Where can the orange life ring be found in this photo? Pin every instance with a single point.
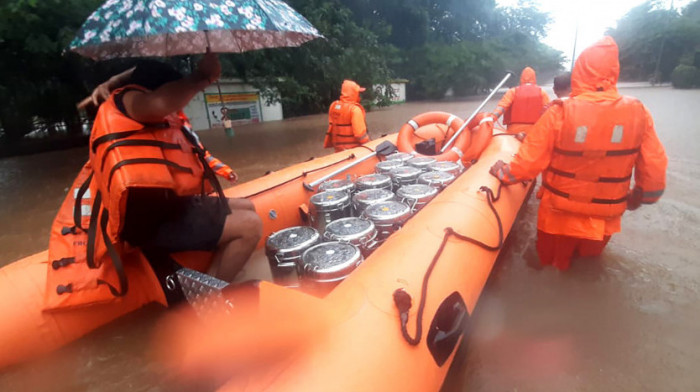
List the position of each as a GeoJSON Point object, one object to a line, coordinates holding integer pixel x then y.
{"type": "Point", "coordinates": [407, 138]}
{"type": "Point", "coordinates": [482, 130]}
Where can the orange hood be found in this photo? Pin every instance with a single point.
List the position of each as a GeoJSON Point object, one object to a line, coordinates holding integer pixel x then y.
{"type": "Point", "coordinates": [528, 76]}
{"type": "Point", "coordinates": [350, 91]}
{"type": "Point", "coordinates": [597, 68]}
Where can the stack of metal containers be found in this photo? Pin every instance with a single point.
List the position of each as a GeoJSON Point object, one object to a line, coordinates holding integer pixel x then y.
{"type": "Point", "coordinates": [350, 219]}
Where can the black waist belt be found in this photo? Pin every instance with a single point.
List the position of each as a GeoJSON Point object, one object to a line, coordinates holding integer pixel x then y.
{"type": "Point", "coordinates": [593, 200]}
{"type": "Point", "coordinates": [610, 153]}
{"type": "Point", "coordinates": [597, 179]}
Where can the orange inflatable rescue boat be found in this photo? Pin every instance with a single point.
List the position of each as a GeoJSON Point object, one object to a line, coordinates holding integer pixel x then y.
{"type": "Point", "coordinates": [393, 323]}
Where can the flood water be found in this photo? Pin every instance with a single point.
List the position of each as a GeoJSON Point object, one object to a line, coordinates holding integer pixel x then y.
{"type": "Point", "coordinates": [626, 321]}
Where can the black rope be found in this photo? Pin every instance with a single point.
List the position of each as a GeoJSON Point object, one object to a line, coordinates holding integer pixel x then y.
{"type": "Point", "coordinates": [402, 299]}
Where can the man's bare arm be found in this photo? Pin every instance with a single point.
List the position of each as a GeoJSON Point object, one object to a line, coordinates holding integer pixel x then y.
{"type": "Point", "coordinates": [153, 106]}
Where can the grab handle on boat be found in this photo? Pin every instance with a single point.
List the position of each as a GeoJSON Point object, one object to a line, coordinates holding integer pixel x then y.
{"type": "Point", "coordinates": [468, 120]}
{"type": "Point", "coordinates": [384, 148]}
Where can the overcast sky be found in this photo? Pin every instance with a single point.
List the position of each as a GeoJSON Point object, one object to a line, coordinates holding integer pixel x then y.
{"type": "Point", "coordinates": [594, 17]}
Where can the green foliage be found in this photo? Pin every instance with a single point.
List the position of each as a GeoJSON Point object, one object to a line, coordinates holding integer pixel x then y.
{"type": "Point", "coordinates": [685, 76]}
{"type": "Point", "coordinates": [465, 45]}
{"type": "Point", "coordinates": [652, 40]}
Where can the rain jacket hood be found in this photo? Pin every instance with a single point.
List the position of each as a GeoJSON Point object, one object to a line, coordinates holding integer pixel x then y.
{"type": "Point", "coordinates": [350, 91]}
{"type": "Point", "coordinates": [528, 76]}
{"type": "Point", "coordinates": [597, 68]}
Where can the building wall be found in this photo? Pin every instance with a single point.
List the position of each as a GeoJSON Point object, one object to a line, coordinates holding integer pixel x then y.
{"type": "Point", "coordinates": [243, 102]}
{"type": "Point", "coordinates": [399, 89]}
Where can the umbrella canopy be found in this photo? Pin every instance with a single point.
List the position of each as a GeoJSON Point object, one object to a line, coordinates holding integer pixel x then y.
{"type": "Point", "coordinates": [161, 28]}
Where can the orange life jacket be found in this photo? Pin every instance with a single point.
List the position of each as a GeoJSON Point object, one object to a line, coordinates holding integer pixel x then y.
{"type": "Point", "coordinates": [340, 133]}
{"type": "Point", "coordinates": [86, 255]}
{"type": "Point", "coordinates": [593, 156]}
{"type": "Point", "coordinates": [526, 107]}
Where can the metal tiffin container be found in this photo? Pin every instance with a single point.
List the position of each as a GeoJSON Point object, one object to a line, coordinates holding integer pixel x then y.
{"type": "Point", "coordinates": [416, 196]}
{"type": "Point", "coordinates": [325, 265]}
{"type": "Point", "coordinates": [384, 167]}
{"type": "Point", "coordinates": [327, 207]}
{"type": "Point", "coordinates": [404, 175]}
{"type": "Point", "coordinates": [453, 168]}
{"type": "Point", "coordinates": [437, 179]}
{"type": "Point", "coordinates": [345, 185]}
{"type": "Point", "coordinates": [363, 199]}
{"type": "Point", "coordinates": [357, 231]}
{"type": "Point", "coordinates": [388, 217]}
{"type": "Point", "coordinates": [399, 156]}
{"type": "Point", "coordinates": [421, 162]}
{"type": "Point", "coordinates": [373, 181]}
{"type": "Point", "coordinates": [284, 250]}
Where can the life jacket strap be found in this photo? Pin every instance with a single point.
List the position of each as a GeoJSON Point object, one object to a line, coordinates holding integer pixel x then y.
{"type": "Point", "coordinates": [111, 137]}
{"type": "Point", "coordinates": [140, 161]}
{"type": "Point", "coordinates": [592, 179]}
{"type": "Point", "coordinates": [580, 199]}
{"type": "Point", "coordinates": [138, 143]}
{"type": "Point", "coordinates": [77, 208]}
{"type": "Point", "coordinates": [595, 154]}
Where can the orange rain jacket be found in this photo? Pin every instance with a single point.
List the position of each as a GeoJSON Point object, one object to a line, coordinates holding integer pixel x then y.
{"type": "Point", "coordinates": [346, 119]}
{"type": "Point", "coordinates": [521, 105]}
{"type": "Point", "coordinates": [587, 147]}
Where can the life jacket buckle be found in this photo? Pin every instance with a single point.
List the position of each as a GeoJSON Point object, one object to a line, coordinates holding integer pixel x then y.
{"type": "Point", "coordinates": [63, 289]}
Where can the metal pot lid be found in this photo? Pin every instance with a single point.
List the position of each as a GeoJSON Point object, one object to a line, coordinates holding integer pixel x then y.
{"type": "Point", "coordinates": [447, 166]}
{"type": "Point", "coordinates": [387, 210]}
{"type": "Point", "coordinates": [373, 180]}
{"type": "Point", "coordinates": [421, 161]}
{"type": "Point", "coordinates": [405, 172]}
{"type": "Point", "coordinates": [330, 260]}
{"type": "Point", "coordinates": [347, 229]}
{"type": "Point", "coordinates": [436, 177]}
{"type": "Point", "coordinates": [337, 185]}
{"type": "Point", "coordinates": [330, 198]}
{"type": "Point", "coordinates": [385, 166]}
{"type": "Point", "coordinates": [399, 156]}
{"type": "Point", "coordinates": [371, 196]}
{"type": "Point", "coordinates": [416, 191]}
{"type": "Point", "coordinates": [292, 239]}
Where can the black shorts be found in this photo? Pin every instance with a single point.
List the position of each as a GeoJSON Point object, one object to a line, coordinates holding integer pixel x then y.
{"type": "Point", "coordinates": [160, 220]}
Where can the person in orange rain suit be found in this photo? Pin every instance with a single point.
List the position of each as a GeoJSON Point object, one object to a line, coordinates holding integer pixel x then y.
{"type": "Point", "coordinates": [180, 223]}
{"type": "Point", "coordinates": [587, 147]}
{"type": "Point", "coordinates": [346, 119]}
{"type": "Point", "coordinates": [521, 106]}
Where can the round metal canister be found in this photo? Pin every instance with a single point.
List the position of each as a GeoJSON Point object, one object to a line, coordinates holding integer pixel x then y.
{"type": "Point", "coordinates": [327, 207]}
{"type": "Point", "coordinates": [363, 199]}
{"type": "Point", "coordinates": [404, 175]}
{"type": "Point", "coordinates": [416, 196]}
{"type": "Point", "coordinates": [373, 181]}
{"type": "Point", "coordinates": [421, 162]}
{"type": "Point", "coordinates": [384, 167]}
{"type": "Point", "coordinates": [388, 217]}
{"type": "Point", "coordinates": [437, 179]}
{"type": "Point", "coordinates": [399, 156]}
{"type": "Point", "coordinates": [284, 248]}
{"type": "Point", "coordinates": [338, 185]}
{"type": "Point", "coordinates": [325, 265]}
{"type": "Point", "coordinates": [453, 168]}
{"type": "Point", "coordinates": [356, 231]}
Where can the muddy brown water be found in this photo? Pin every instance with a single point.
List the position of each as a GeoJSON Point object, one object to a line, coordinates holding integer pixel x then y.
{"type": "Point", "coordinates": [626, 321]}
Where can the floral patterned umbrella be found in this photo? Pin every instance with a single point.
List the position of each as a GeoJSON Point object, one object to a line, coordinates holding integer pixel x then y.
{"type": "Point", "coordinates": [133, 28]}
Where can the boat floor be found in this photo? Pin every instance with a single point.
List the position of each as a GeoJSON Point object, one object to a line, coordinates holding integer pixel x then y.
{"type": "Point", "coordinates": [257, 268]}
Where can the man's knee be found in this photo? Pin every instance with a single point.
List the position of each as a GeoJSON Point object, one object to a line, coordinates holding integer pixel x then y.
{"type": "Point", "coordinates": [244, 224]}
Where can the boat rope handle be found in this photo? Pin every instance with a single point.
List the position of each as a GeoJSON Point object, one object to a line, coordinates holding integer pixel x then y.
{"type": "Point", "coordinates": [402, 299]}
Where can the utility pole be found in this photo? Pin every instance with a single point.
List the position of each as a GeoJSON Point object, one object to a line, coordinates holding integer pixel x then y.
{"type": "Point", "coordinates": [573, 54]}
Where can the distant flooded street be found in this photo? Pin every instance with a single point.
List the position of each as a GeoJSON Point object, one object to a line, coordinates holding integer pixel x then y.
{"type": "Point", "coordinates": [627, 321]}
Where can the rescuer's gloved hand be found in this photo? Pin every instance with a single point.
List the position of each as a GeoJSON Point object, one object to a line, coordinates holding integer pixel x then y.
{"type": "Point", "coordinates": [497, 169]}
{"type": "Point", "coordinates": [634, 198]}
